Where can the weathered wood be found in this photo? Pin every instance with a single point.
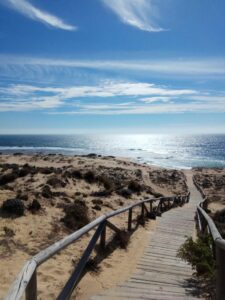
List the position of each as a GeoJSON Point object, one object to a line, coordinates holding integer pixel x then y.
{"type": "Point", "coordinates": [143, 210]}
{"type": "Point", "coordinates": [151, 206]}
{"type": "Point", "coordinates": [103, 237]}
{"type": "Point", "coordinates": [58, 246]}
{"type": "Point", "coordinates": [113, 227]}
{"type": "Point", "coordinates": [74, 278]}
{"type": "Point", "coordinates": [17, 289]}
{"type": "Point", "coordinates": [130, 219]}
{"type": "Point", "coordinates": [31, 289]}
{"type": "Point", "coordinates": [205, 223]}
{"type": "Point", "coordinates": [220, 276]}
{"type": "Point", "coordinates": [160, 273]}
{"type": "Point", "coordinates": [214, 231]}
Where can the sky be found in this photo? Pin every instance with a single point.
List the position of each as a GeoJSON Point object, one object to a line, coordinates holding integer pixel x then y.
{"type": "Point", "coordinates": [112, 66]}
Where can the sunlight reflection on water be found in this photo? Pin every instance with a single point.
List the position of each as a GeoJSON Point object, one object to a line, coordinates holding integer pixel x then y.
{"type": "Point", "coordinates": [163, 150]}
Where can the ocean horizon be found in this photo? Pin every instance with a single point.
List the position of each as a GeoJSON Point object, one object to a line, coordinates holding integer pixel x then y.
{"type": "Point", "coordinates": [169, 151]}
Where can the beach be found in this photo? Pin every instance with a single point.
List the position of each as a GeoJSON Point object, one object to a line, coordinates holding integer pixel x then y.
{"type": "Point", "coordinates": [50, 186]}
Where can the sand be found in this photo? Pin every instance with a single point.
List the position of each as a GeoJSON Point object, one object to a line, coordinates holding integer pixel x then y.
{"type": "Point", "coordinates": [22, 237]}
{"type": "Point", "coordinates": [212, 183]}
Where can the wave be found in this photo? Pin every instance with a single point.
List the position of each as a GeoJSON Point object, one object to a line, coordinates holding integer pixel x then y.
{"type": "Point", "coordinates": [40, 148]}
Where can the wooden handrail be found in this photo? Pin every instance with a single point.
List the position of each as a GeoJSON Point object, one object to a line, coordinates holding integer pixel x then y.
{"type": "Point", "coordinates": [211, 225]}
{"type": "Point", "coordinates": [26, 280]}
{"type": "Point", "coordinates": [205, 222]}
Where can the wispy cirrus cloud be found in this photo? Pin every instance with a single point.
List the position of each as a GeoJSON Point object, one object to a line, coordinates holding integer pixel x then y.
{"type": "Point", "coordinates": [34, 13]}
{"type": "Point", "coordinates": [137, 13]}
{"type": "Point", "coordinates": [208, 67]}
{"type": "Point", "coordinates": [157, 108]}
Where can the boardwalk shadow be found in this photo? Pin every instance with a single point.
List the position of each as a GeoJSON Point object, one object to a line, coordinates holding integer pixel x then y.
{"type": "Point", "coordinates": [199, 287]}
{"type": "Point", "coordinates": [115, 242]}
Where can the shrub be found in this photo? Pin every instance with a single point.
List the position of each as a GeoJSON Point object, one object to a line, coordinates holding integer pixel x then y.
{"type": "Point", "coordinates": [76, 215]}
{"type": "Point", "coordinates": [199, 254]}
{"type": "Point", "coordinates": [46, 192]}
{"type": "Point", "coordinates": [77, 174]}
{"type": "Point", "coordinates": [7, 178]}
{"type": "Point", "coordinates": [46, 170]}
{"type": "Point", "coordinates": [138, 173]}
{"type": "Point", "coordinates": [56, 182]}
{"type": "Point", "coordinates": [97, 201]}
{"type": "Point", "coordinates": [126, 193]}
{"type": "Point", "coordinates": [8, 231]}
{"type": "Point", "coordinates": [13, 207]}
{"type": "Point", "coordinates": [26, 170]}
{"type": "Point", "coordinates": [34, 206]}
{"type": "Point", "coordinates": [22, 196]}
{"type": "Point", "coordinates": [107, 182]}
{"type": "Point", "coordinates": [219, 219]}
{"type": "Point", "coordinates": [97, 207]}
{"type": "Point", "coordinates": [89, 176]}
{"type": "Point", "coordinates": [105, 193]}
{"type": "Point", "coordinates": [219, 216]}
{"type": "Point", "coordinates": [134, 186]}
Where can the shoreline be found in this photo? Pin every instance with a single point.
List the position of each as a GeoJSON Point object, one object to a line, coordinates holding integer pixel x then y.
{"type": "Point", "coordinates": [137, 160]}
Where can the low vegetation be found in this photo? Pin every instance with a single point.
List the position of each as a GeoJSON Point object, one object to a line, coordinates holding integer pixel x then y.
{"type": "Point", "coordinates": [199, 255]}
{"type": "Point", "coordinates": [76, 215]}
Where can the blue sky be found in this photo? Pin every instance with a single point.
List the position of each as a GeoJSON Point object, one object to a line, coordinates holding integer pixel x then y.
{"type": "Point", "coordinates": [142, 66]}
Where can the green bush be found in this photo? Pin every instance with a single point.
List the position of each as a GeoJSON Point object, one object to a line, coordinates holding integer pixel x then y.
{"type": "Point", "coordinates": [199, 254]}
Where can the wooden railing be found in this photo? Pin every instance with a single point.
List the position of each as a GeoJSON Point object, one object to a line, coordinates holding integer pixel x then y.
{"type": "Point", "coordinates": [26, 281]}
{"type": "Point", "coordinates": [206, 225]}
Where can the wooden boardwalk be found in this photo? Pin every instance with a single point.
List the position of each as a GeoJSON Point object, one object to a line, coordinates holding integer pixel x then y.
{"type": "Point", "coordinates": [160, 274]}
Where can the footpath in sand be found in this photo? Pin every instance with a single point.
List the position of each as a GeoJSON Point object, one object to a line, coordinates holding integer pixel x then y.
{"type": "Point", "coordinates": [160, 274]}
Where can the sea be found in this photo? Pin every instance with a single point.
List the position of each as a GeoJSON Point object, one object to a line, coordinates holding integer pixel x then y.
{"type": "Point", "coordinates": [170, 151]}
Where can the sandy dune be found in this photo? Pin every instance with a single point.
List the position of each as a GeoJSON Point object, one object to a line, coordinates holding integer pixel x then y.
{"type": "Point", "coordinates": [56, 182]}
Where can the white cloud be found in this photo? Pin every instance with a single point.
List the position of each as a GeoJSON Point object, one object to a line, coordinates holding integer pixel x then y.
{"type": "Point", "coordinates": [30, 11]}
{"type": "Point", "coordinates": [146, 109]}
{"type": "Point", "coordinates": [181, 67]}
{"type": "Point", "coordinates": [109, 97]}
{"type": "Point", "coordinates": [115, 89]}
{"type": "Point", "coordinates": [137, 13]}
{"type": "Point", "coordinates": [48, 97]}
{"type": "Point", "coordinates": [155, 99]}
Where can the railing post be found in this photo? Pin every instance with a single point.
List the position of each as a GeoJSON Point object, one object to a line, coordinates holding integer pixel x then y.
{"type": "Point", "coordinates": [31, 289]}
{"type": "Point", "coordinates": [151, 207]}
{"type": "Point", "coordinates": [189, 195]}
{"type": "Point", "coordinates": [130, 220]}
{"type": "Point", "coordinates": [220, 276]}
{"type": "Point", "coordinates": [103, 237]}
{"type": "Point", "coordinates": [168, 204]}
{"type": "Point", "coordinates": [143, 213]}
{"type": "Point", "coordinates": [142, 210]}
{"type": "Point", "coordinates": [203, 223]}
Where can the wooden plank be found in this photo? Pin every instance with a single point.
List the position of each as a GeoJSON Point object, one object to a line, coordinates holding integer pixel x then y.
{"type": "Point", "coordinates": [160, 273]}
{"type": "Point", "coordinates": [74, 278]}
{"type": "Point", "coordinates": [153, 287]}
{"type": "Point", "coordinates": [166, 269]}
{"type": "Point", "coordinates": [103, 238]}
{"type": "Point", "coordinates": [17, 289]}
{"type": "Point", "coordinates": [130, 220]}
{"type": "Point", "coordinates": [31, 290]}
{"type": "Point", "coordinates": [113, 227]}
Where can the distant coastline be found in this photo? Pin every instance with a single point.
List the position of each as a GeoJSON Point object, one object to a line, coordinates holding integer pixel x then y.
{"type": "Point", "coordinates": [180, 152]}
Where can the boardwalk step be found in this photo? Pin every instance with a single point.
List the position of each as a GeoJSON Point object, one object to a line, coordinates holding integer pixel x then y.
{"type": "Point", "coordinates": [160, 274]}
